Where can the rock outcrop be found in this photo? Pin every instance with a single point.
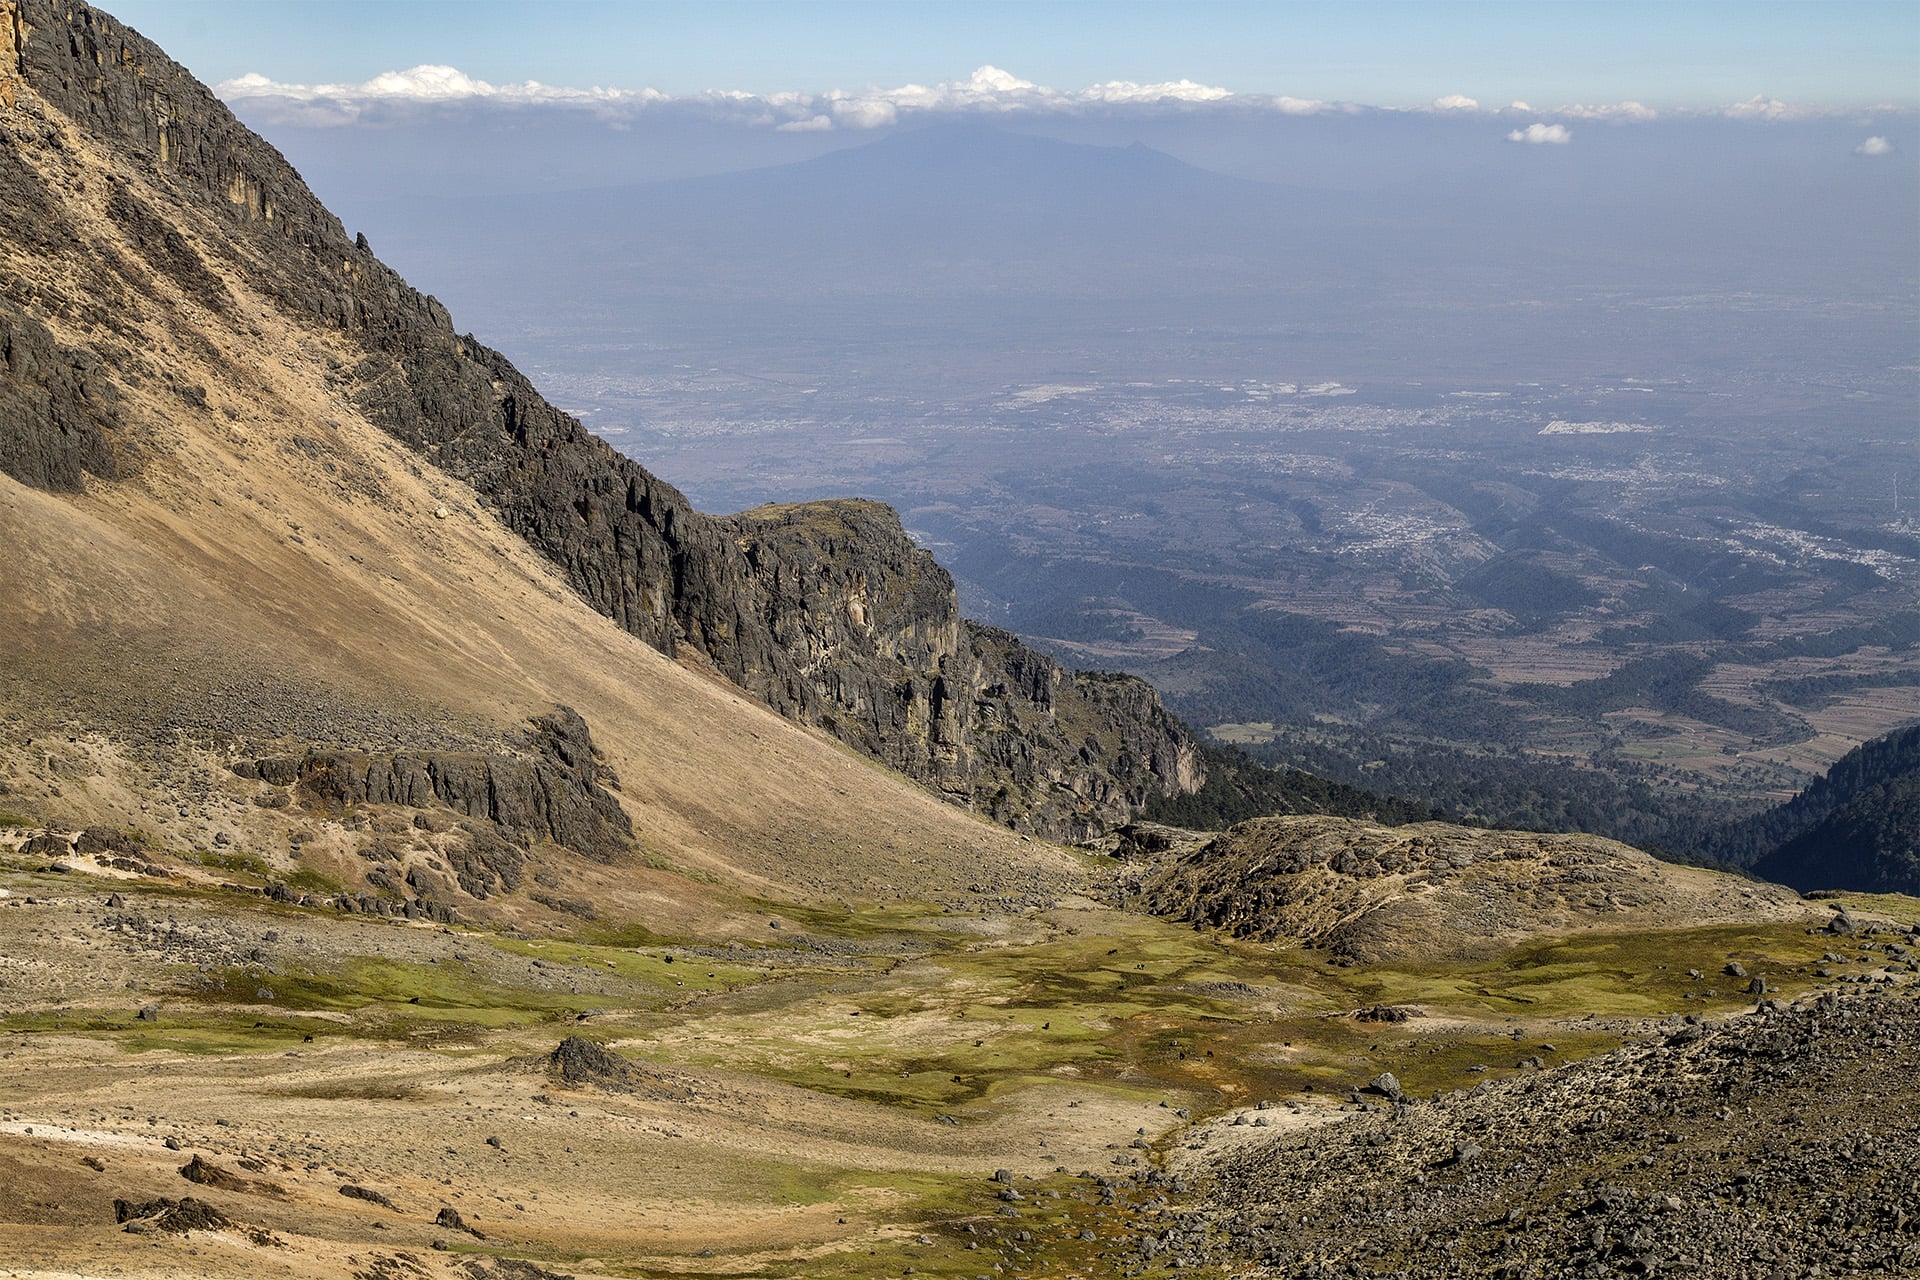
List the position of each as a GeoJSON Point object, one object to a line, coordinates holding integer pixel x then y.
{"type": "Point", "coordinates": [552, 791]}
{"type": "Point", "coordinates": [57, 404]}
{"type": "Point", "coordinates": [826, 611]}
{"type": "Point", "coordinates": [1367, 893]}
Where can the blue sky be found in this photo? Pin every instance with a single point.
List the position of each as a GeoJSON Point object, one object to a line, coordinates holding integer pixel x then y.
{"type": "Point", "coordinates": [1668, 54]}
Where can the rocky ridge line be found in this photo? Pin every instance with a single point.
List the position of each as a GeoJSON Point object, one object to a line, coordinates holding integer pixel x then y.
{"type": "Point", "coordinates": [826, 611]}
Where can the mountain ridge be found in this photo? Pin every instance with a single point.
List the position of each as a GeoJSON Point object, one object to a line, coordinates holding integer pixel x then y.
{"type": "Point", "coordinates": [1857, 826]}
{"type": "Point", "coordinates": [906, 680]}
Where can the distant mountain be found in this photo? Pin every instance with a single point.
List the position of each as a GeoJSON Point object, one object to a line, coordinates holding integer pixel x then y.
{"type": "Point", "coordinates": [970, 160]}
{"type": "Point", "coordinates": [961, 212]}
{"type": "Point", "coordinates": [1856, 828]}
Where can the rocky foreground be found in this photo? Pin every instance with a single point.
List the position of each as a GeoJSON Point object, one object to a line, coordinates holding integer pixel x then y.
{"type": "Point", "coordinates": [1781, 1144]}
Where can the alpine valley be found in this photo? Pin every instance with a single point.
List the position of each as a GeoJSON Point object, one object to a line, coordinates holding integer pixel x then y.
{"type": "Point", "coordinates": [430, 847]}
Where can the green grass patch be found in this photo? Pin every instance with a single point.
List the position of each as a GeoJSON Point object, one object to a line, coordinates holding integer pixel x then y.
{"type": "Point", "coordinates": [395, 1000]}
{"type": "Point", "coordinates": [178, 1030]}
{"type": "Point", "coordinates": [650, 967]}
{"type": "Point", "coordinates": [232, 861]}
{"type": "Point", "coordinates": [307, 880]}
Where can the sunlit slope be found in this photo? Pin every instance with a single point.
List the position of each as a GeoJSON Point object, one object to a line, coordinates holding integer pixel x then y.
{"type": "Point", "coordinates": [269, 564]}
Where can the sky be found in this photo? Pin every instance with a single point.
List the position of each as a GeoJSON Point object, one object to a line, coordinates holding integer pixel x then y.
{"type": "Point", "coordinates": [1666, 54]}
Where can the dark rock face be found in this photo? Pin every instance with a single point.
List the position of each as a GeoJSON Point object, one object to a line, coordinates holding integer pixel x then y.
{"type": "Point", "coordinates": [827, 611]}
{"type": "Point", "coordinates": [56, 407]}
{"type": "Point", "coordinates": [555, 789]}
{"type": "Point", "coordinates": [552, 792]}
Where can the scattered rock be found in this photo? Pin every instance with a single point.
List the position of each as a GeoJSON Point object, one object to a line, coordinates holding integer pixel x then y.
{"type": "Point", "coordinates": [1385, 1013]}
{"type": "Point", "coordinates": [1775, 1144]}
{"type": "Point", "coordinates": [212, 1175]}
{"type": "Point", "coordinates": [368, 1194]}
{"type": "Point", "coordinates": [449, 1217]}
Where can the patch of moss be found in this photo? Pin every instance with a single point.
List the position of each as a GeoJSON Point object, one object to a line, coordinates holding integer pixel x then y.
{"type": "Point", "coordinates": [179, 1029]}
{"type": "Point", "coordinates": [232, 861]}
{"type": "Point", "coordinates": [307, 880]}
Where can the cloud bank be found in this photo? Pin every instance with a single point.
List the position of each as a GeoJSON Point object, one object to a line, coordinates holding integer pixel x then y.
{"type": "Point", "coordinates": [989, 91]}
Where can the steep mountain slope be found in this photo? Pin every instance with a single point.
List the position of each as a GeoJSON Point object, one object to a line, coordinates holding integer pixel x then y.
{"type": "Point", "coordinates": [219, 553]}
{"type": "Point", "coordinates": [159, 250]}
{"type": "Point", "coordinates": [1857, 827]}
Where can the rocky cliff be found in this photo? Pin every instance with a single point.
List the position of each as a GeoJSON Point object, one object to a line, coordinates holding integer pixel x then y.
{"type": "Point", "coordinates": [825, 611]}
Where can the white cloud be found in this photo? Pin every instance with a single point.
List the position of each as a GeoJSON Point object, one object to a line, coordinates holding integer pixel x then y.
{"type": "Point", "coordinates": [991, 79]}
{"type": "Point", "coordinates": [865, 113]}
{"type": "Point", "coordinates": [989, 90]}
{"type": "Point", "coordinates": [1761, 107]}
{"type": "Point", "coordinates": [428, 83]}
{"type": "Point", "coordinates": [1536, 132]}
{"type": "Point", "coordinates": [1126, 91]}
{"type": "Point", "coordinates": [1635, 112]}
{"type": "Point", "coordinates": [1874, 146]}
